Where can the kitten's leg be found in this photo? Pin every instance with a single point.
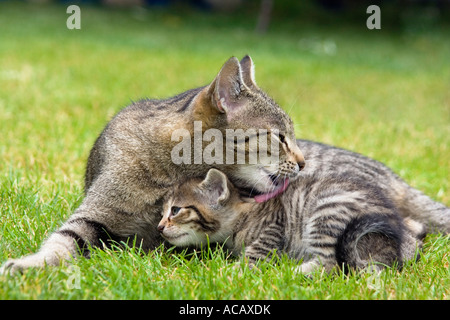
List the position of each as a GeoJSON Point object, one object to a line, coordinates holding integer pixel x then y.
{"type": "Point", "coordinates": [266, 244]}
{"type": "Point", "coordinates": [320, 246]}
{"type": "Point", "coordinates": [315, 264]}
{"type": "Point", "coordinates": [309, 267]}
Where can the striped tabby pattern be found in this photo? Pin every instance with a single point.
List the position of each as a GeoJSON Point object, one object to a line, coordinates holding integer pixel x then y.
{"type": "Point", "coordinates": [130, 171]}
{"type": "Point", "coordinates": [130, 168]}
{"type": "Point", "coordinates": [327, 220]}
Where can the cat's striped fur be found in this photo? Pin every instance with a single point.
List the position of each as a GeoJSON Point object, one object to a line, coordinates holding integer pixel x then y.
{"type": "Point", "coordinates": [331, 219]}
{"type": "Point", "coordinates": [130, 168]}
{"type": "Point", "coordinates": [409, 202]}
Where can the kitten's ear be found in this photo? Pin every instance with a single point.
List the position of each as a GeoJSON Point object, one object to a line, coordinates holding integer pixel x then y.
{"type": "Point", "coordinates": [216, 184]}
{"type": "Point", "coordinates": [248, 71]}
{"type": "Point", "coordinates": [226, 90]}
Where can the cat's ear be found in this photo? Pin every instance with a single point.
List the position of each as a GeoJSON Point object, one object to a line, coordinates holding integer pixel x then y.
{"type": "Point", "coordinates": [216, 186]}
{"type": "Point", "coordinates": [227, 89]}
{"type": "Point", "coordinates": [248, 72]}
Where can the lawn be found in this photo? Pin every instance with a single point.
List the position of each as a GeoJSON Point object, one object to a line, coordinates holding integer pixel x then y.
{"type": "Point", "coordinates": [382, 93]}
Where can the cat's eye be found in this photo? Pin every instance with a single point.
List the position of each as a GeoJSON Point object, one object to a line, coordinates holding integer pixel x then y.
{"type": "Point", "coordinates": [174, 211]}
{"type": "Point", "coordinates": [282, 138]}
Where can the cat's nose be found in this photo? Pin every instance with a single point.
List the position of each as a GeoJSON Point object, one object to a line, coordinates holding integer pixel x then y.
{"type": "Point", "coordinates": [300, 159]}
{"type": "Point", "coordinates": [301, 165]}
{"type": "Point", "coordinates": [160, 227]}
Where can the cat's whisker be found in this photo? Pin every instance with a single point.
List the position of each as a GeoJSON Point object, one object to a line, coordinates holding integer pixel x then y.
{"type": "Point", "coordinates": [292, 106]}
{"type": "Point", "coordinates": [255, 184]}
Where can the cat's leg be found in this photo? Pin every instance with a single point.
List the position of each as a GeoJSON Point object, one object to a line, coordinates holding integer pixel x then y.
{"type": "Point", "coordinates": [412, 240]}
{"type": "Point", "coordinates": [54, 249]}
{"type": "Point", "coordinates": [92, 224]}
{"type": "Point", "coordinates": [309, 267]}
{"type": "Point", "coordinates": [70, 240]}
{"type": "Point", "coordinates": [264, 245]}
{"type": "Point", "coordinates": [316, 263]}
{"type": "Point", "coordinates": [319, 246]}
{"type": "Point", "coordinates": [255, 253]}
{"type": "Point", "coordinates": [415, 205]}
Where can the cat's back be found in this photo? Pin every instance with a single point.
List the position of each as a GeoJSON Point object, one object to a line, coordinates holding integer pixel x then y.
{"type": "Point", "coordinates": [136, 129]}
{"type": "Point", "coordinates": [154, 112]}
{"type": "Point", "coordinates": [323, 159]}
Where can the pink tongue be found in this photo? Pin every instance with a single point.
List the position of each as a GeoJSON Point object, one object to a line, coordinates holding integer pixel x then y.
{"type": "Point", "coordinates": [264, 197]}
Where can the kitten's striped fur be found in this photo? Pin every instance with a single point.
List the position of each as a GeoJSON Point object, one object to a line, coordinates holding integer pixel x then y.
{"type": "Point", "coordinates": [325, 219]}
{"type": "Point", "coordinates": [129, 170]}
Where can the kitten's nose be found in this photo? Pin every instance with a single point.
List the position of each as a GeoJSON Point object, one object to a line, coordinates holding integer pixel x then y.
{"type": "Point", "coordinates": [160, 227]}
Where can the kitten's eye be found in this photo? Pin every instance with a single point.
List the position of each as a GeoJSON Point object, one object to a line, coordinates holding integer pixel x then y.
{"type": "Point", "coordinates": [282, 138]}
{"type": "Point", "coordinates": [174, 211]}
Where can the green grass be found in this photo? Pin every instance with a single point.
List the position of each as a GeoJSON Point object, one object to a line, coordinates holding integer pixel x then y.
{"type": "Point", "coordinates": [384, 94]}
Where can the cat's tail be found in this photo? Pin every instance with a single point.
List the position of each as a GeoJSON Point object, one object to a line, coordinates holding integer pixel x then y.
{"type": "Point", "coordinates": [377, 241]}
{"type": "Point", "coordinates": [415, 205]}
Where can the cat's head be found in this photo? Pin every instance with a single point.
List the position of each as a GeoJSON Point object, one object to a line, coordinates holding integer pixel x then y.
{"type": "Point", "coordinates": [234, 104]}
{"type": "Point", "coordinates": [198, 211]}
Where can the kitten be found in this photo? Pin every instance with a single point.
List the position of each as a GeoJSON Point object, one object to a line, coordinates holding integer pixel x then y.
{"type": "Point", "coordinates": [326, 220]}
{"type": "Point", "coordinates": [130, 168]}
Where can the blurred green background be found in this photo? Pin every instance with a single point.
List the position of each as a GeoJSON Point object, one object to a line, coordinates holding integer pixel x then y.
{"type": "Point", "coordinates": [384, 93]}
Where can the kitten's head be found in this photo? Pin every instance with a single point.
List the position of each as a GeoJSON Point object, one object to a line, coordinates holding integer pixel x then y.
{"type": "Point", "coordinates": [238, 106]}
{"type": "Point", "coordinates": [199, 211]}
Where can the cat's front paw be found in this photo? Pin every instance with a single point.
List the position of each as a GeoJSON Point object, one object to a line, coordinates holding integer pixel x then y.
{"type": "Point", "coordinates": [12, 266]}
{"type": "Point", "coordinates": [18, 266]}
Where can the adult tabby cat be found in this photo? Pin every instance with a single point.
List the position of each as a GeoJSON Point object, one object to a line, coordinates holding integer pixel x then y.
{"type": "Point", "coordinates": [130, 169]}
{"type": "Point", "coordinates": [326, 220]}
